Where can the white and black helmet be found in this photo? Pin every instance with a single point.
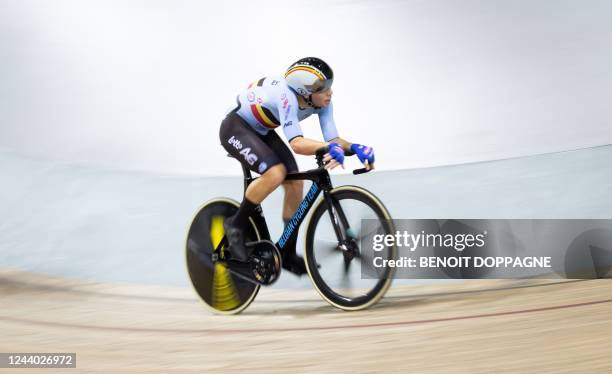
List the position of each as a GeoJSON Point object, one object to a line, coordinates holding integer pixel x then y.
{"type": "Point", "coordinates": [309, 75]}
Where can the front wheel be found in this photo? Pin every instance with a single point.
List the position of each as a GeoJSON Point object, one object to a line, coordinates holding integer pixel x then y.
{"type": "Point", "coordinates": [344, 273]}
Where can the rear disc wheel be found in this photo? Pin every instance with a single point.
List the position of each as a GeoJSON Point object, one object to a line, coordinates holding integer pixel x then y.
{"type": "Point", "coordinates": [219, 289]}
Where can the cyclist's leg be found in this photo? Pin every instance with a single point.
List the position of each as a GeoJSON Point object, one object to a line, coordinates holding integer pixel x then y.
{"type": "Point", "coordinates": [293, 196]}
{"type": "Point", "coordinates": [293, 188]}
{"type": "Point", "coordinates": [249, 148]}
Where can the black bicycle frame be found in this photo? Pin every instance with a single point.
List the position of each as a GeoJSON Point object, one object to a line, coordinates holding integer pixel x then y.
{"type": "Point", "coordinates": [321, 182]}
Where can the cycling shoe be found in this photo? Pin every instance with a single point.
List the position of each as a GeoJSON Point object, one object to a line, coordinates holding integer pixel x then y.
{"type": "Point", "coordinates": [294, 264]}
{"type": "Point", "coordinates": [235, 238]}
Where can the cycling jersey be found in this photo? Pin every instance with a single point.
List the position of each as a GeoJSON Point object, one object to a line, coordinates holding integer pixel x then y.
{"type": "Point", "coordinates": [269, 103]}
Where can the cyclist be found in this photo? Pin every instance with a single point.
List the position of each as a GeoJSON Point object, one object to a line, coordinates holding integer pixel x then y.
{"type": "Point", "coordinates": [247, 133]}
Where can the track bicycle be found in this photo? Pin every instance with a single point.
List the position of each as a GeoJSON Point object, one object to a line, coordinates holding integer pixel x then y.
{"type": "Point", "coordinates": [334, 261]}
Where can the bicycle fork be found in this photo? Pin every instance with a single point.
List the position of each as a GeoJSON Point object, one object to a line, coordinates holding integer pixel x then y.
{"type": "Point", "coordinates": [340, 223]}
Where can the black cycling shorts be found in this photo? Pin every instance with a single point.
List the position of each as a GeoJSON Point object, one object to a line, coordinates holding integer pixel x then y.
{"type": "Point", "coordinates": [258, 152]}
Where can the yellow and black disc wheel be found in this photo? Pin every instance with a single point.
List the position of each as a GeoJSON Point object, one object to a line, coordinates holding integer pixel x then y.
{"type": "Point", "coordinates": [220, 290]}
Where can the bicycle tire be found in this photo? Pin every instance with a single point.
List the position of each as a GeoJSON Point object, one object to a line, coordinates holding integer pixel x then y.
{"type": "Point", "coordinates": [325, 290]}
{"type": "Point", "coordinates": [221, 291]}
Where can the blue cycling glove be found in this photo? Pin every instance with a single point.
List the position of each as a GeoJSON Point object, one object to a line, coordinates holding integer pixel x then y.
{"type": "Point", "coordinates": [336, 152]}
{"type": "Point", "coordinates": [364, 153]}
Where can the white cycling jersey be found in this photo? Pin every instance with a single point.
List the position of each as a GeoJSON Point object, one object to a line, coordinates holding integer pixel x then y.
{"type": "Point", "coordinates": [269, 103]}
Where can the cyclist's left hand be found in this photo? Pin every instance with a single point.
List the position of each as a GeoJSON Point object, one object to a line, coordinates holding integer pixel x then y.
{"type": "Point", "coordinates": [365, 154]}
{"type": "Point", "coordinates": [334, 157]}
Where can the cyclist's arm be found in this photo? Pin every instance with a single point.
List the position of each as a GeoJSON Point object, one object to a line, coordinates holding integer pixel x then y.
{"type": "Point", "coordinates": [328, 128]}
{"type": "Point", "coordinates": [328, 125]}
{"type": "Point", "coordinates": [287, 109]}
{"type": "Point", "coordinates": [305, 146]}
{"type": "Point", "coordinates": [288, 115]}
{"type": "Point", "coordinates": [345, 144]}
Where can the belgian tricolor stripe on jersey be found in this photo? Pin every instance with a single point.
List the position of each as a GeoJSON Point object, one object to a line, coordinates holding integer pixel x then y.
{"type": "Point", "coordinates": [264, 116]}
{"type": "Point", "coordinates": [258, 83]}
{"type": "Point", "coordinates": [308, 69]}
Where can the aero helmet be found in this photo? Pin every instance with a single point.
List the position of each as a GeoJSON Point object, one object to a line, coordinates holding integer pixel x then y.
{"type": "Point", "coordinates": [309, 75]}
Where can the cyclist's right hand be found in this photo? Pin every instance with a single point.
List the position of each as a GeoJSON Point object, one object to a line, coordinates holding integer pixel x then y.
{"type": "Point", "coordinates": [334, 157]}
{"type": "Point", "coordinates": [365, 154]}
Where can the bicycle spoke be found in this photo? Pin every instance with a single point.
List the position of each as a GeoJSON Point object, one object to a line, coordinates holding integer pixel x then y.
{"type": "Point", "coordinates": [347, 265]}
{"type": "Point", "coordinates": [328, 248]}
{"type": "Point", "coordinates": [361, 235]}
{"type": "Point", "coordinates": [355, 219]}
{"type": "Point", "coordinates": [345, 281]}
{"type": "Point", "coordinates": [349, 281]}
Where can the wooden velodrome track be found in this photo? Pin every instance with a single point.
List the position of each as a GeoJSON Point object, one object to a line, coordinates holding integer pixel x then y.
{"type": "Point", "coordinates": [473, 326]}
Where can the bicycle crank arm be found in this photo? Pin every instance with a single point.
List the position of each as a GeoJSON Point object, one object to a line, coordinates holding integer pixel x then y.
{"type": "Point", "coordinates": [263, 267]}
{"type": "Point", "coordinates": [243, 270]}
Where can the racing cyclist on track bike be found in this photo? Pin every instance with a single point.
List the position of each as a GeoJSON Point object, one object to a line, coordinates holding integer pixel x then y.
{"type": "Point", "coordinates": [247, 133]}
